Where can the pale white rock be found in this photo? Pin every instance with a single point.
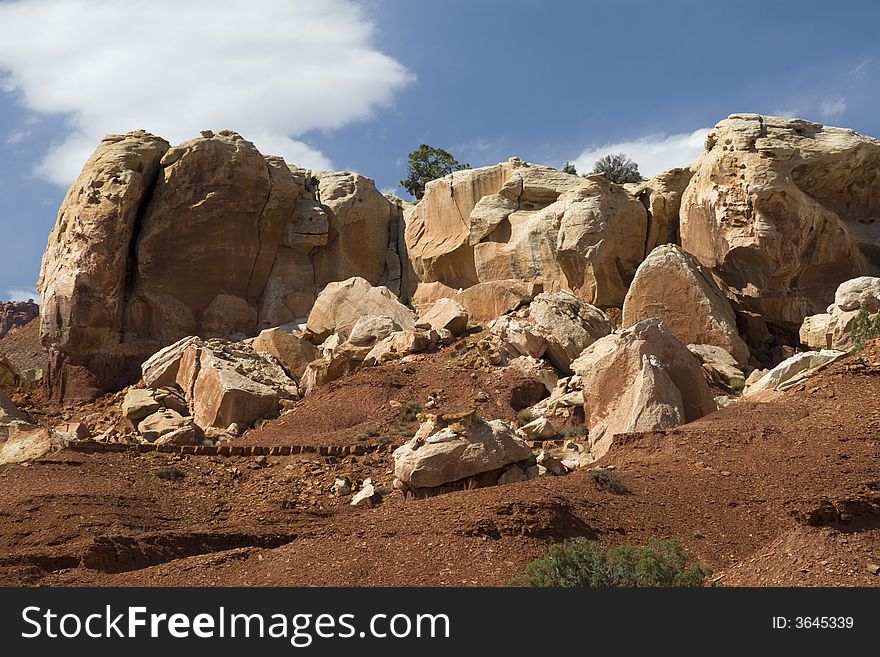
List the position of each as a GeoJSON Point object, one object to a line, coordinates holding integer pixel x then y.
{"type": "Point", "coordinates": [793, 370]}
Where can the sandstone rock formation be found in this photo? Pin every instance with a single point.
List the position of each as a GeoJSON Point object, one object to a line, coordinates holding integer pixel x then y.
{"type": "Point", "coordinates": [224, 383]}
{"type": "Point", "coordinates": [208, 238]}
{"type": "Point", "coordinates": [294, 352]}
{"type": "Point", "coordinates": [528, 222]}
{"type": "Point", "coordinates": [341, 304]}
{"type": "Point", "coordinates": [446, 314]}
{"type": "Point", "coordinates": [10, 377]}
{"type": "Point", "coordinates": [719, 365]}
{"type": "Point", "coordinates": [15, 314]}
{"type": "Point", "coordinates": [793, 370]}
{"type": "Point", "coordinates": [784, 210]}
{"type": "Point", "coordinates": [661, 196]}
{"type": "Point", "coordinates": [448, 449]}
{"type": "Point", "coordinates": [672, 285]}
{"type": "Point", "coordinates": [483, 302]}
{"type": "Point", "coordinates": [558, 326]}
{"type": "Point", "coordinates": [640, 379]}
{"type": "Point", "coordinates": [833, 329]}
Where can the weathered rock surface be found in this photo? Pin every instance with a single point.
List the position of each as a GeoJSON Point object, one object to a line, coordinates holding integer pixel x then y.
{"type": "Point", "coordinates": [446, 314]}
{"type": "Point", "coordinates": [558, 326]}
{"type": "Point", "coordinates": [487, 301]}
{"type": "Point", "coordinates": [520, 221]}
{"type": "Point", "coordinates": [719, 365]}
{"type": "Point", "coordinates": [661, 196]}
{"type": "Point", "coordinates": [793, 370]}
{"type": "Point", "coordinates": [292, 351]}
{"type": "Point", "coordinates": [672, 285]}
{"type": "Point", "coordinates": [27, 445]}
{"type": "Point", "coordinates": [833, 328]}
{"type": "Point", "coordinates": [10, 377]}
{"type": "Point", "coordinates": [858, 293]}
{"type": "Point", "coordinates": [223, 382]}
{"type": "Point", "coordinates": [15, 314]}
{"type": "Point", "coordinates": [784, 211]}
{"type": "Point", "coordinates": [341, 304]}
{"type": "Point", "coordinates": [640, 379]}
{"type": "Point", "coordinates": [445, 451]}
{"type": "Point", "coordinates": [208, 238]}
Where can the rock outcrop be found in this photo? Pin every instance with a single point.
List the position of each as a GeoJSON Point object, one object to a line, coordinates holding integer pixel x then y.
{"type": "Point", "coordinates": [208, 238]}
{"type": "Point", "coordinates": [640, 379]}
{"type": "Point", "coordinates": [223, 383]}
{"type": "Point", "coordinates": [672, 285]}
{"type": "Point", "coordinates": [793, 370]}
{"type": "Point", "coordinates": [661, 196]}
{"type": "Point", "coordinates": [833, 329]}
{"type": "Point", "coordinates": [557, 326]}
{"type": "Point", "coordinates": [341, 304]}
{"type": "Point", "coordinates": [452, 448]}
{"type": "Point", "coordinates": [521, 221]}
{"type": "Point", "coordinates": [784, 210]}
{"type": "Point", "coordinates": [15, 314]}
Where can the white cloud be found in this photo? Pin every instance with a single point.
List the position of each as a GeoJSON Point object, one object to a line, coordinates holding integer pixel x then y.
{"type": "Point", "coordinates": [22, 295]}
{"type": "Point", "coordinates": [653, 154]}
{"type": "Point", "coordinates": [830, 109]}
{"type": "Point", "coordinates": [17, 136]}
{"type": "Point", "coordinates": [271, 70]}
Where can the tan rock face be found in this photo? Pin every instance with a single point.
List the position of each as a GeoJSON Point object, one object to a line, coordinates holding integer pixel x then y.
{"type": "Point", "coordinates": [661, 196]}
{"type": "Point", "coordinates": [672, 285]}
{"type": "Point", "coordinates": [793, 370]}
{"type": "Point", "coordinates": [228, 383]}
{"type": "Point", "coordinates": [89, 255]}
{"type": "Point", "coordinates": [783, 210]}
{"type": "Point", "coordinates": [532, 223]}
{"type": "Point", "coordinates": [207, 238]}
{"type": "Point", "coordinates": [340, 305]}
{"type": "Point", "coordinates": [10, 377]}
{"type": "Point", "coordinates": [492, 299]}
{"type": "Point", "coordinates": [640, 379]}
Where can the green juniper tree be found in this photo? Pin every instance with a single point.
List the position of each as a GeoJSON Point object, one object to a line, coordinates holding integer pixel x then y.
{"type": "Point", "coordinates": [618, 168]}
{"type": "Point", "coordinates": [427, 163]}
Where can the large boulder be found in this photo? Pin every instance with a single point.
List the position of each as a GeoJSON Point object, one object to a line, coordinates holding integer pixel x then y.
{"type": "Point", "coordinates": [557, 326]}
{"type": "Point", "coordinates": [640, 379]}
{"type": "Point", "coordinates": [521, 221]}
{"type": "Point", "coordinates": [229, 383]}
{"type": "Point", "coordinates": [208, 238]}
{"type": "Point", "coordinates": [446, 450]}
{"type": "Point", "coordinates": [793, 370]}
{"type": "Point", "coordinates": [784, 211]}
{"type": "Point", "coordinates": [28, 444]}
{"type": "Point", "coordinates": [341, 304]}
{"type": "Point", "coordinates": [10, 377]}
{"type": "Point", "coordinates": [672, 285]}
{"type": "Point", "coordinates": [858, 293]}
{"type": "Point", "coordinates": [292, 351]}
{"type": "Point", "coordinates": [487, 301]}
{"type": "Point", "coordinates": [446, 314]}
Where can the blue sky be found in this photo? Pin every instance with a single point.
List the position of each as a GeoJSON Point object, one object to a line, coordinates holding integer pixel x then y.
{"type": "Point", "coordinates": [357, 85]}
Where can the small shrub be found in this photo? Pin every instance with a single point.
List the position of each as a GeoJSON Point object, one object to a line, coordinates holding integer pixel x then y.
{"type": "Point", "coordinates": [525, 416]}
{"type": "Point", "coordinates": [606, 479]}
{"type": "Point", "coordinates": [618, 168]}
{"type": "Point", "coordinates": [171, 473]}
{"type": "Point", "coordinates": [580, 562]}
{"type": "Point", "coordinates": [409, 412]}
{"type": "Point", "coordinates": [568, 167]}
{"type": "Point", "coordinates": [577, 430]}
{"type": "Point", "coordinates": [864, 329]}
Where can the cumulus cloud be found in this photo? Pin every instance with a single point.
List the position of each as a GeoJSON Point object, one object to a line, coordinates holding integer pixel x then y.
{"type": "Point", "coordinates": [22, 295]}
{"type": "Point", "coordinates": [271, 70]}
{"type": "Point", "coordinates": [653, 154]}
{"type": "Point", "coordinates": [17, 136]}
{"type": "Point", "coordinates": [830, 109]}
